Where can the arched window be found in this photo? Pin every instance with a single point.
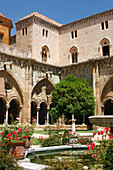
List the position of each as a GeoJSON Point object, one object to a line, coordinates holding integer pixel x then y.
{"type": "Point", "coordinates": [45, 53]}
{"type": "Point", "coordinates": [105, 44]}
{"type": "Point", "coordinates": [74, 54]}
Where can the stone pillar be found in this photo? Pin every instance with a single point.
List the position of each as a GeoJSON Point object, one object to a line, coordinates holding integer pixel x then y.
{"type": "Point", "coordinates": [48, 117]}
{"type": "Point", "coordinates": [97, 90]}
{"type": "Point", "coordinates": [37, 121]}
{"type": "Point", "coordinates": [73, 125]}
{"type": "Point", "coordinates": [72, 116]}
{"type": "Point", "coordinates": [20, 114]}
{"type": "Point", "coordinates": [7, 107]}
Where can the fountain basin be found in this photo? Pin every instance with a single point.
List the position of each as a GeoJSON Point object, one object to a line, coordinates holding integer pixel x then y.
{"type": "Point", "coordinates": [103, 121]}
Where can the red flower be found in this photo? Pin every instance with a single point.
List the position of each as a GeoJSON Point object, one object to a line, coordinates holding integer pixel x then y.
{"type": "Point", "coordinates": [94, 134]}
{"type": "Point", "coordinates": [79, 140]}
{"type": "Point", "coordinates": [4, 144]}
{"type": "Point", "coordinates": [92, 147]}
{"type": "Point", "coordinates": [10, 114]}
{"type": "Point", "coordinates": [101, 132]}
{"type": "Point", "coordinates": [93, 156]}
{"type": "Point", "coordinates": [17, 128]}
{"type": "Point", "coordinates": [8, 135]}
{"type": "Point", "coordinates": [111, 136]}
{"type": "Point", "coordinates": [107, 129]}
{"type": "Point", "coordinates": [88, 147]}
{"type": "Point", "coordinates": [12, 138]}
{"type": "Point", "coordinates": [27, 130]}
{"type": "Point", "coordinates": [61, 126]}
{"type": "Point", "coordinates": [69, 120]}
{"type": "Point", "coordinates": [2, 133]}
{"type": "Point", "coordinates": [69, 131]}
{"type": "Point", "coordinates": [67, 143]}
{"type": "Point", "coordinates": [14, 132]}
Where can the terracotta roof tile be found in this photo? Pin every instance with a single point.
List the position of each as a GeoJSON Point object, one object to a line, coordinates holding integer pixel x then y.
{"type": "Point", "coordinates": [42, 17]}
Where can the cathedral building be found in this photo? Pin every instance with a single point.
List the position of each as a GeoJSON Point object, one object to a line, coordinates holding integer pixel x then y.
{"type": "Point", "coordinates": [43, 52]}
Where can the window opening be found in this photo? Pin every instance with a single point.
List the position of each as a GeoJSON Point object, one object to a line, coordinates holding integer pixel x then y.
{"type": "Point", "coordinates": [74, 57]}
{"type": "Point", "coordinates": [102, 25]}
{"type": "Point", "coordinates": [26, 30]}
{"type": "Point", "coordinates": [75, 33]}
{"type": "Point", "coordinates": [43, 32]}
{"type": "Point", "coordinates": [46, 33]}
{"type": "Point", "coordinates": [72, 35]}
{"type": "Point", "coordinates": [106, 24]}
{"type": "Point", "coordinates": [105, 50]}
{"type": "Point", "coordinates": [23, 31]}
{"type": "Point", "coordinates": [1, 37]}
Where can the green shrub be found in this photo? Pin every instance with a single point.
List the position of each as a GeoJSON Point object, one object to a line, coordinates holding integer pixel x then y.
{"type": "Point", "coordinates": [65, 165]}
{"type": "Point", "coordinates": [7, 161]}
{"type": "Point", "coordinates": [108, 156]}
{"type": "Point", "coordinates": [51, 141]}
{"type": "Point", "coordinates": [84, 141]}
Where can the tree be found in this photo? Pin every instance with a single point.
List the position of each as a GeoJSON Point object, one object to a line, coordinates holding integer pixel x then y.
{"type": "Point", "coordinates": [72, 96]}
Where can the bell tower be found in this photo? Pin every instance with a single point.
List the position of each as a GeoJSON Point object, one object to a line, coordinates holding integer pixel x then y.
{"type": "Point", "coordinates": [5, 29]}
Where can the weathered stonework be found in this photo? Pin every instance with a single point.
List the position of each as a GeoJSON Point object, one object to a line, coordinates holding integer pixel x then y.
{"type": "Point", "coordinates": [40, 56]}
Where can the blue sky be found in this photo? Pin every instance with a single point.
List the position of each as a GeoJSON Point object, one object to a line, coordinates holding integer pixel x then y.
{"type": "Point", "coordinates": [62, 11]}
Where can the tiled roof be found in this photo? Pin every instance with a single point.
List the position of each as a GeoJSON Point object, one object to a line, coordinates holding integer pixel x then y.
{"type": "Point", "coordinates": [41, 17]}
{"type": "Point", "coordinates": [2, 15]}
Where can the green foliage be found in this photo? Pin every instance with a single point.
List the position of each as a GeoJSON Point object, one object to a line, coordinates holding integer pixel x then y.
{"type": "Point", "coordinates": [72, 96]}
{"type": "Point", "coordinates": [84, 141]}
{"type": "Point", "coordinates": [65, 165]}
{"type": "Point", "coordinates": [51, 141]}
{"type": "Point", "coordinates": [108, 156]}
{"type": "Point", "coordinates": [6, 160]}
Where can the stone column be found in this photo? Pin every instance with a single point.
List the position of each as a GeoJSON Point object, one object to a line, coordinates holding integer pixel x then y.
{"type": "Point", "coordinates": [7, 107]}
{"type": "Point", "coordinates": [47, 116]}
{"type": "Point", "coordinates": [20, 114]}
{"type": "Point", "coordinates": [73, 125]}
{"type": "Point", "coordinates": [37, 121]}
{"type": "Point", "coordinates": [72, 116]}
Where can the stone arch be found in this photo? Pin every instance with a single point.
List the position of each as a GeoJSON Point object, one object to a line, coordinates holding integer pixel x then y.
{"type": "Point", "coordinates": [2, 109]}
{"type": "Point", "coordinates": [44, 82]}
{"type": "Point", "coordinates": [9, 78]}
{"type": "Point", "coordinates": [3, 97]}
{"type": "Point", "coordinates": [43, 113]}
{"type": "Point", "coordinates": [14, 109]}
{"type": "Point", "coordinates": [17, 99]}
{"type": "Point", "coordinates": [41, 93]}
{"type": "Point", "coordinates": [34, 105]}
{"type": "Point", "coordinates": [107, 97]}
{"type": "Point", "coordinates": [45, 53]}
{"type": "Point", "coordinates": [105, 47]}
{"type": "Point", "coordinates": [74, 54]}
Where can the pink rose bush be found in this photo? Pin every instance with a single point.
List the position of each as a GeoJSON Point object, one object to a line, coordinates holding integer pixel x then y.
{"type": "Point", "coordinates": [100, 140]}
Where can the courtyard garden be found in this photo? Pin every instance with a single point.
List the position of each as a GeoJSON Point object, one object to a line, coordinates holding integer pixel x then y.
{"type": "Point", "coordinates": [54, 146]}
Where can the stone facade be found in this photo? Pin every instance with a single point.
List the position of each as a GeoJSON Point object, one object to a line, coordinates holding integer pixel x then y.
{"type": "Point", "coordinates": [43, 52]}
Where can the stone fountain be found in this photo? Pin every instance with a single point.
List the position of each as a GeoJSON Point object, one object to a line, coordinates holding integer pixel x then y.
{"type": "Point", "coordinates": [103, 121]}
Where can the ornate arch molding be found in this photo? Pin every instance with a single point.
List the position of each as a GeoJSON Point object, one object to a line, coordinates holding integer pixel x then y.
{"type": "Point", "coordinates": [45, 53]}
{"type": "Point", "coordinates": [43, 79]}
{"type": "Point", "coordinates": [17, 99]}
{"type": "Point", "coordinates": [4, 99]}
{"type": "Point", "coordinates": [73, 54]}
{"type": "Point", "coordinates": [107, 98]}
{"type": "Point", "coordinates": [34, 100]}
{"type": "Point", "coordinates": [42, 101]}
{"type": "Point", "coordinates": [104, 47]}
{"type": "Point", "coordinates": [16, 82]}
{"type": "Point", "coordinates": [107, 92]}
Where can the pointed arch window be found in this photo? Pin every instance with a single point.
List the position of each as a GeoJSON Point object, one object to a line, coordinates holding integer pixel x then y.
{"type": "Point", "coordinates": [74, 54]}
{"type": "Point", "coordinates": [45, 53]}
{"type": "Point", "coordinates": [105, 44]}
